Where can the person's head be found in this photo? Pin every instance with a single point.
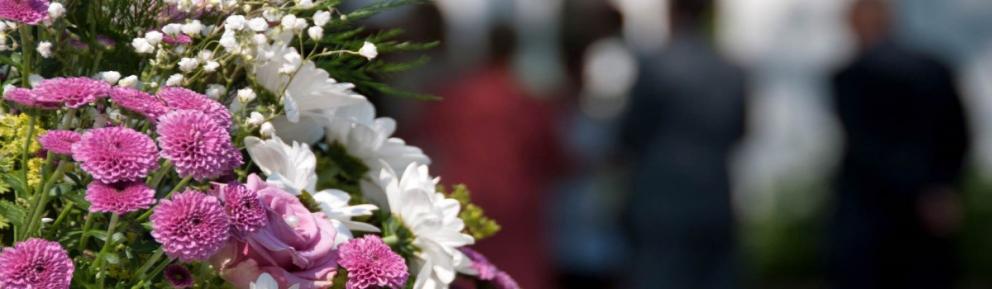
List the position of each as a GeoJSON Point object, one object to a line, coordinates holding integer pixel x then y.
{"type": "Point", "coordinates": [690, 13]}
{"type": "Point", "coordinates": [869, 20]}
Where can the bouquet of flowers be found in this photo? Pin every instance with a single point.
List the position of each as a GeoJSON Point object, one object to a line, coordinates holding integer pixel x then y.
{"type": "Point", "coordinates": [216, 144]}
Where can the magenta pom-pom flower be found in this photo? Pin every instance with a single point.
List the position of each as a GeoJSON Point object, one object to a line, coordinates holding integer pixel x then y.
{"type": "Point", "coordinates": [24, 11]}
{"type": "Point", "coordinates": [243, 208]}
{"type": "Point", "coordinates": [196, 145]}
{"type": "Point", "coordinates": [371, 264]}
{"type": "Point", "coordinates": [73, 92]}
{"type": "Point", "coordinates": [59, 141]}
{"type": "Point", "coordinates": [191, 226]}
{"type": "Point", "coordinates": [116, 154]}
{"type": "Point", "coordinates": [120, 198]}
{"type": "Point", "coordinates": [35, 263]}
{"type": "Point", "coordinates": [180, 98]}
{"type": "Point", "coordinates": [139, 102]}
{"type": "Point", "coordinates": [28, 98]}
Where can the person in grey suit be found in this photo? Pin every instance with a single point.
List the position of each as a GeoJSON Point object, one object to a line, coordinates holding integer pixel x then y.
{"type": "Point", "coordinates": [687, 111]}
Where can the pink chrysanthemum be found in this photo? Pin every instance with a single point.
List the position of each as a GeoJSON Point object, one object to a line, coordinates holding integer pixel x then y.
{"type": "Point", "coordinates": [196, 145]}
{"type": "Point", "coordinates": [59, 141]}
{"type": "Point", "coordinates": [371, 264]}
{"type": "Point", "coordinates": [120, 198]}
{"type": "Point", "coordinates": [181, 98]}
{"type": "Point", "coordinates": [24, 11]}
{"type": "Point", "coordinates": [138, 101]}
{"type": "Point", "coordinates": [116, 154]}
{"type": "Point", "coordinates": [179, 39]}
{"type": "Point", "coordinates": [243, 207]}
{"type": "Point", "coordinates": [35, 263]}
{"type": "Point", "coordinates": [190, 226]}
{"type": "Point", "coordinates": [25, 97]}
{"type": "Point", "coordinates": [73, 92]}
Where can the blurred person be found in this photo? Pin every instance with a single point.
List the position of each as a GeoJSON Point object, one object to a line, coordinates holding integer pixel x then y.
{"type": "Point", "coordinates": [906, 139]}
{"type": "Point", "coordinates": [501, 142]}
{"type": "Point", "coordinates": [686, 113]}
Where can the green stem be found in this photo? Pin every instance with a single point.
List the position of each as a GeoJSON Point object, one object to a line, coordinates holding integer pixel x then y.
{"type": "Point", "coordinates": [27, 51]}
{"type": "Point", "coordinates": [63, 214]}
{"type": "Point", "coordinates": [157, 178]}
{"type": "Point", "coordinates": [34, 223]}
{"type": "Point", "coordinates": [109, 242]}
{"type": "Point", "coordinates": [86, 231]}
{"type": "Point", "coordinates": [25, 168]}
{"type": "Point", "coordinates": [180, 185]}
{"type": "Point", "coordinates": [148, 263]}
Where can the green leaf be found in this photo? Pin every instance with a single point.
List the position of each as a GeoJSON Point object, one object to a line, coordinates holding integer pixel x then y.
{"type": "Point", "coordinates": [16, 182]}
{"type": "Point", "coordinates": [12, 213]}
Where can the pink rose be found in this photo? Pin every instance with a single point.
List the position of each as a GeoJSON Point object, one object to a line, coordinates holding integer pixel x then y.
{"type": "Point", "coordinates": [296, 247]}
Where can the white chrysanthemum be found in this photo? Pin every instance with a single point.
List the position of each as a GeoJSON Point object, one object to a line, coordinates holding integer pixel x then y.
{"type": "Point", "coordinates": [289, 167]}
{"type": "Point", "coordinates": [174, 80]}
{"type": "Point", "coordinates": [305, 90]}
{"type": "Point", "coordinates": [154, 37]}
{"type": "Point", "coordinates": [433, 220]}
{"type": "Point", "coordinates": [55, 10]}
{"type": "Point", "coordinates": [258, 24]}
{"type": "Point", "coordinates": [192, 28]}
{"type": "Point", "coordinates": [334, 205]}
{"type": "Point", "coordinates": [293, 169]}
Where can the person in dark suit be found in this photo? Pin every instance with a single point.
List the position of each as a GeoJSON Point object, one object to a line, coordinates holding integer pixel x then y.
{"type": "Point", "coordinates": [687, 111]}
{"type": "Point", "coordinates": [906, 139]}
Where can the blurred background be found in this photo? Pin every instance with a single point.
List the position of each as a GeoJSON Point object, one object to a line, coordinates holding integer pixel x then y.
{"type": "Point", "coordinates": [714, 144]}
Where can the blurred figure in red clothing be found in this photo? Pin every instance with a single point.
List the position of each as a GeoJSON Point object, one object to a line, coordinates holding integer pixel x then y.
{"type": "Point", "coordinates": [489, 134]}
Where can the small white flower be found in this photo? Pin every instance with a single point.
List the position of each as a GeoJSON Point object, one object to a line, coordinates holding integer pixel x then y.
{"type": "Point", "coordinates": [45, 49]}
{"type": "Point", "coordinates": [211, 66]}
{"type": "Point", "coordinates": [110, 77]}
{"type": "Point", "coordinates": [305, 4]}
{"type": "Point", "coordinates": [55, 10]}
{"type": "Point", "coordinates": [205, 55]}
{"type": "Point", "coordinates": [3, 26]}
{"type": "Point", "coordinates": [129, 81]}
{"type": "Point", "coordinates": [47, 220]}
{"type": "Point", "coordinates": [272, 14]}
{"type": "Point", "coordinates": [267, 130]}
{"type": "Point", "coordinates": [320, 18]}
{"type": "Point", "coordinates": [35, 79]}
{"type": "Point", "coordinates": [215, 91]}
{"type": "Point", "coordinates": [246, 95]}
{"type": "Point", "coordinates": [292, 62]}
{"type": "Point", "coordinates": [192, 28]}
{"type": "Point", "coordinates": [300, 24]}
{"type": "Point", "coordinates": [260, 39]}
{"type": "Point", "coordinates": [8, 88]}
{"type": "Point", "coordinates": [172, 28]}
{"type": "Point", "coordinates": [153, 37]}
{"type": "Point", "coordinates": [114, 114]}
{"type": "Point", "coordinates": [234, 22]}
{"type": "Point", "coordinates": [255, 119]}
{"type": "Point", "coordinates": [315, 32]}
{"type": "Point", "coordinates": [230, 42]}
{"type": "Point", "coordinates": [174, 80]}
{"type": "Point", "coordinates": [142, 46]}
{"type": "Point", "coordinates": [258, 24]}
{"type": "Point", "coordinates": [292, 23]}
{"type": "Point", "coordinates": [187, 64]}
{"type": "Point", "coordinates": [369, 50]}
